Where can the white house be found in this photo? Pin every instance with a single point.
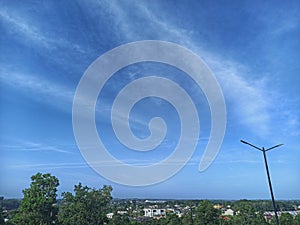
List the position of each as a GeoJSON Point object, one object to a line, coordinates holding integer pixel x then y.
{"type": "Point", "coordinates": [228, 212]}
{"type": "Point", "coordinates": [149, 212]}
{"type": "Point", "coordinates": [109, 215]}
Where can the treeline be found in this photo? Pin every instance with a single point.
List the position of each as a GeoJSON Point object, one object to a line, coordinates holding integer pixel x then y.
{"type": "Point", "coordinates": [39, 204]}
{"type": "Point", "coordinates": [90, 206]}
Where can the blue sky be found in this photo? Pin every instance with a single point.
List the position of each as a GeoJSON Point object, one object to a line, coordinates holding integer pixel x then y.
{"type": "Point", "coordinates": [252, 47]}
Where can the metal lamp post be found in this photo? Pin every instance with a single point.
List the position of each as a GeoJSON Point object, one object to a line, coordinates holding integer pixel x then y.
{"type": "Point", "coordinates": [268, 173]}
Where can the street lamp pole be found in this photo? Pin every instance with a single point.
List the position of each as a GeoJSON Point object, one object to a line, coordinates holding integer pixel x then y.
{"type": "Point", "coordinates": [268, 174]}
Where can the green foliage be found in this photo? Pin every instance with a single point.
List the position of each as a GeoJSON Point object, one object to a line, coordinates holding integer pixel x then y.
{"type": "Point", "coordinates": [187, 218]}
{"type": "Point", "coordinates": [39, 203]}
{"type": "Point", "coordinates": [119, 220]}
{"type": "Point", "coordinates": [172, 219]}
{"type": "Point", "coordinates": [286, 219]}
{"type": "Point", "coordinates": [1, 216]}
{"type": "Point", "coordinates": [247, 214]}
{"type": "Point", "coordinates": [88, 206]}
{"type": "Point", "coordinates": [206, 214]}
{"type": "Point", "coordinates": [227, 220]}
{"type": "Point", "coordinates": [297, 220]}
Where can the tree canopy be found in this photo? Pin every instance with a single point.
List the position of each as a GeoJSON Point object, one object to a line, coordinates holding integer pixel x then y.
{"type": "Point", "coordinates": [206, 214]}
{"type": "Point", "coordinates": [39, 203]}
{"type": "Point", "coordinates": [88, 206]}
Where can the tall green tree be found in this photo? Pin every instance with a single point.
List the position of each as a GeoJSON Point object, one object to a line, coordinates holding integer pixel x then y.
{"type": "Point", "coordinates": [172, 219]}
{"type": "Point", "coordinates": [297, 219]}
{"type": "Point", "coordinates": [187, 218]}
{"type": "Point", "coordinates": [247, 214]}
{"type": "Point", "coordinates": [38, 206]}
{"type": "Point", "coordinates": [119, 220]}
{"type": "Point", "coordinates": [88, 206]}
{"type": "Point", "coordinates": [286, 219]}
{"type": "Point", "coordinates": [206, 214]}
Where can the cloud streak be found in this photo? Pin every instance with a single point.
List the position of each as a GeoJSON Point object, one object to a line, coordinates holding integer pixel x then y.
{"type": "Point", "coordinates": [24, 146]}
{"type": "Point", "coordinates": [29, 29]}
{"type": "Point", "coordinates": [38, 86]}
{"type": "Point", "coordinates": [251, 104]}
{"type": "Point", "coordinates": [243, 93]}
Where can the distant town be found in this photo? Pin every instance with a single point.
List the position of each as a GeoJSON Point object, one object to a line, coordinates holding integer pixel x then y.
{"type": "Point", "coordinates": [90, 206]}
{"type": "Point", "coordinates": [156, 211]}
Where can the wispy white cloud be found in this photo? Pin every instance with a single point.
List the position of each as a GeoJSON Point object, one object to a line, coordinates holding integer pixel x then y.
{"type": "Point", "coordinates": [19, 25]}
{"type": "Point", "coordinates": [248, 96]}
{"type": "Point", "coordinates": [194, 161]}
{"type": "Point", "coordinates": [132, 162]}
{"type": "Point", "coordinates": [251, 101]}
{"type": "Point", "coordinates": [248, 100]}
{"type": "Point", "coordinates": [49, 166]}
{"type": "Point", "coordinates": [278, 22]}
{"type": "Point", "coordinates": [128, 26]}
{"type": "Point", "coordinates": [40, 87]}
{"type": "Point", "coordinates": [36, 147]}
{"type": "Point", "coordinates": [30, 30]}
{"type": "Point", "coordinates": [285, 26]}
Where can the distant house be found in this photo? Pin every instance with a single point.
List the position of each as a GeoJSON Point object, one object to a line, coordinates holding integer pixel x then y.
{"type": "Point", "coordinates": [109, 215]}
{"type": "Point", "coordinates": [155, 201]}
{"type": "Point", "coordinates": [176, 211]}
{"type": "Point", "coordinates": [122, 212]}
{"type": "Point", "coordinates": [228, 212]}
{"type": "Point", "coordinates": [149, 212]}
{"type": "Point", "coordinates": [218, 206]}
